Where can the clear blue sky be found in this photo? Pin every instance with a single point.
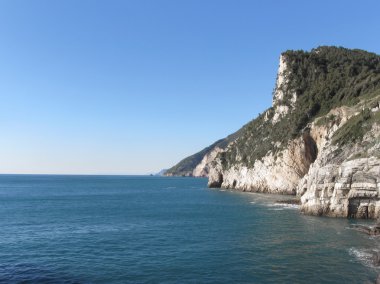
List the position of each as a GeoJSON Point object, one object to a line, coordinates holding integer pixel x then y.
{"type": "Point", "coordinates": [130, 87]}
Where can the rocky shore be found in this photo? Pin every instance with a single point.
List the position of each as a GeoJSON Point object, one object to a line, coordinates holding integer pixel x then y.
{"type": "Point", "coordinates": [373, 231]}
{"type": "Point", "coordinates": [324, 150]}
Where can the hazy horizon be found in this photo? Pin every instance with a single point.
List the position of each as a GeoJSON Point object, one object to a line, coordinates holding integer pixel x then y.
{"type": "Point", "coordinates": [133, 87]}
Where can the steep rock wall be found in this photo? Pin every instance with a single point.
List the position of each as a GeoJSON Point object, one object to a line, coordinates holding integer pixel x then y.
{"type": "Point", "coordinates": [310, 142]}
{"type": "Point", "coordinates": [330, 180]}
{"type": "Point", "coordinates": [203, 168]}
{"type": "Point", "coordinates": [273, 174]}
{"type": "Point", "coordinates": [342, 183]}
{"type": "Point", "coordinates": [349, 189]}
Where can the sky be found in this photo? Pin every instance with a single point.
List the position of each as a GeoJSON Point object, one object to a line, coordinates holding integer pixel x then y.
{"type": "Point", "coordinates": [134, 86]}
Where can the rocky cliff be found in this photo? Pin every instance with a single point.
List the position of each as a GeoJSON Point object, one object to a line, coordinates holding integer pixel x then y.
{"type": "Point", "coordinates": [319, 140]}
{"type": "Point", "coordinates": [197, 165]}
{"type": "Point", "coordinates": [344, 181]}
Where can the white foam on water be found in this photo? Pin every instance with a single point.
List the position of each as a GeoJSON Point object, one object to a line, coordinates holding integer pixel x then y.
{"type": "Point", "coordinates": [281, 206]}
{"type": "Point", "coordinates": [363, 255]}
{"type": "Point", "coordinates": [288, 206]}
{"type": "Point", "coordinates": [270, 205]}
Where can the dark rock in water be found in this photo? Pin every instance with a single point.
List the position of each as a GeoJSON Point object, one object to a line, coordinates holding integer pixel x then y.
{"type": "Point", "coordinates": [361, 228]}
{"type": "Point", "coordinates": [216, 183]}
{"type": "Point", "coordinates": [378, 279]}
{"type": "Point", "coordinates": [376, 258]}
{"type": "Point", "coordinates": [376, 230]}
{"type": "Point", "coordinates": [289, 201]}
{"type": "Point", "coordinates": [370, 230]}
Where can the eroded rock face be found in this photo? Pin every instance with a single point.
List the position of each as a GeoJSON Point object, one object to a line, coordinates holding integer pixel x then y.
{"type": "Point", "coordinates": [281, 82]}
{"type": "Point", "coordinates": [203, 168]}
{"type": "Point", "coordinates": [280, 91]}
{"type": "Point", "coordinates": [340, 185]}
{"type": "Point", "coordinates": [273, 174]}
{"type": "Point", "coordinates": [278, 173]}
{"type": "Point", "coordinates": [330, 180]}
{"type": "Point", "coordinates": [350, 189]}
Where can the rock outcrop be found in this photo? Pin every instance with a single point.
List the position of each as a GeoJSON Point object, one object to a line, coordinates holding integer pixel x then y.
{"type": "Point", "coordinates": [275, 172]}
{"type": "Point", "coordinates": [344, 181]}
{"type": "Point", "coordinates": [320, 140]}
{"type": "Point", "coordinates": [203, 168]}
{"type": "Point", "coordinates": [330, 180]}
{"type": "Point", "coordinates": [281, 104]}
{"type": "Point", "coordinates": [272, 174]}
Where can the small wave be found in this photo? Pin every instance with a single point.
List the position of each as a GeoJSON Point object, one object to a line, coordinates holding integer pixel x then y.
{"type": "Point", "coordinates": [282, 205]}
{"type": "Point", "coordinates": [252, 202]}
{"type": "Point", "coordinates": [270, 205]}
{"type": "Point", "coordinates": [171, 187]}
{"type": "Point", "coordinates": [364, 256]}
{"type": "Point", "coordinates": [222, 190]}
{"type": "Point", "coordinates": [288, 206]}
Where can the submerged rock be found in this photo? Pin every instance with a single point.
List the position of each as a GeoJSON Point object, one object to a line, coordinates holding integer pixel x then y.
{"type": "Point", "coordinates": [289, 201]}
{"type": "Point", "coordinates": [370, 230]}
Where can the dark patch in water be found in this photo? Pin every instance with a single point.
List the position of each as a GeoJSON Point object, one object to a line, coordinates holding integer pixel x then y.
{"type": "Point", "coordinates": [27, 273]}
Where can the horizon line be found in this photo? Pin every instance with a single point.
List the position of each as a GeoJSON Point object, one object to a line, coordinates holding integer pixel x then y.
{"type": "Point", "coordinates": [76, 174]}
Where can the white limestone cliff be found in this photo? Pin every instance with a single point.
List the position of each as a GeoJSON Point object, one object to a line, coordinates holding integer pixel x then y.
{"type": "Point", "coordinates": [280, 92]}
{"type": "Point", "coordinates": [203, 168]}
{"type": "Point", "coordinates": [335, 185]}
{"type": "Point", "coordinates": [273, 174]}
{"type": "Point", "coordinates": [330, 180]}
{"type": "Point", "coordinates": [342, 183]}
{"type": "Point", "coordinates": [278, 173]}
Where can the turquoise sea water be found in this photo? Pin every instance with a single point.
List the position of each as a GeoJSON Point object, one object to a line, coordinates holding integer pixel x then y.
{"type": "Point", "coordinates": [120, 229]}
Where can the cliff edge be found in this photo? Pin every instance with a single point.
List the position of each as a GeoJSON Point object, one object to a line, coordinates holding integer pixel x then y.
{"type": "Point", "coordinates": [320, 140]}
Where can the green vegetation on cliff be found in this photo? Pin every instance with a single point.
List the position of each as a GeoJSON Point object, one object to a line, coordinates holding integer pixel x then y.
{"type": "Point", "coordinates": [320, 80]}
{"type": "Point", "coordinates": [186, 166]}
{"type": "Point", "coordinates": [325, 78]}
{"type": "Point", "coordinates": [356, 127]}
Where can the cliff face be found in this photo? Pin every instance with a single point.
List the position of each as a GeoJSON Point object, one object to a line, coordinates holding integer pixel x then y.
{"type": "Point", "coordinates": [197, 165]}
{"type": "Point", "coordinates": [274, 172]}
{"type": "Point", "coordinates": [203, 168]}
{"type": "Point", "coordinates": [319, 140]}
{"type": "Point", "coordinates": [344, 181]}
{"type": "Point", "coordinates": [278, 173]}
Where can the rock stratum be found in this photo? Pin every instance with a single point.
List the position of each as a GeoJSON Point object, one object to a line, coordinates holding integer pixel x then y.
{"type": "Point", "coordinates": [320, 140]}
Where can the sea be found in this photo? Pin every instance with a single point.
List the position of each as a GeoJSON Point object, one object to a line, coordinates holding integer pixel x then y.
{"type": "Point", "coordinates": [147, 229]}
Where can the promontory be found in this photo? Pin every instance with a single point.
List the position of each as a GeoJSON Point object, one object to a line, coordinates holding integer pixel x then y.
{"type": "Point", "coordinates": [320, 139]}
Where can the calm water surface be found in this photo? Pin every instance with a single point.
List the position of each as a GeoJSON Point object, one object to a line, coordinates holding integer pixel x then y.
{"type": "Point", "coordinates": [120, 229]}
